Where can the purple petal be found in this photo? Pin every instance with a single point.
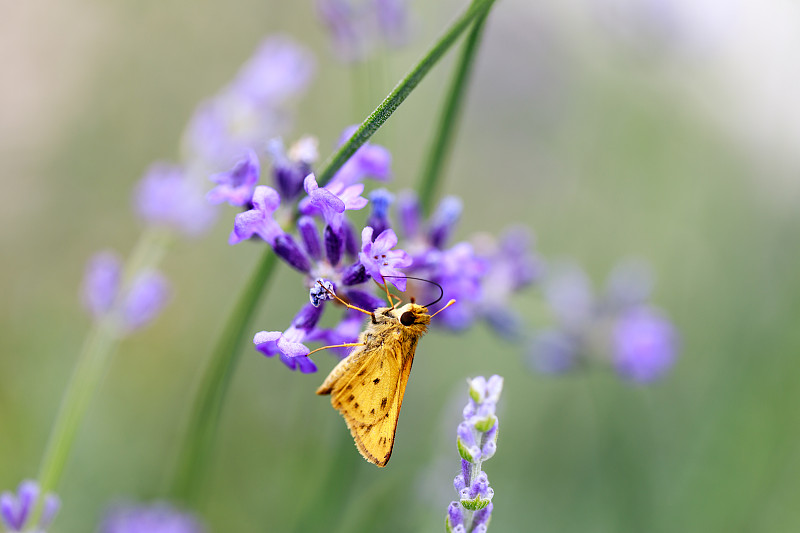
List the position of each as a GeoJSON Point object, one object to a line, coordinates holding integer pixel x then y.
{"type": "Point", "coordinates": [51, 506]}
{"type": "Point", "coordinates": [145, 299]}
{"type": "Point", "coordinates": [266, 342]}
{"type": "Point", "coordinates": [292, 349]}
{"type": "Point", "coordinates": [101, 282]}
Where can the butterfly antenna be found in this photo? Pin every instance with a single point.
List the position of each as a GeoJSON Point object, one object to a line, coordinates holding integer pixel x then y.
{"type": "Point", "coordinates": [451, 302]}
{"type": "Point", "coordinates": [441, 290]}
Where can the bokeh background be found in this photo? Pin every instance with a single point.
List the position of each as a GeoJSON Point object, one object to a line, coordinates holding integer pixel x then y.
{"type": "Point", "coordinates": [667, 130]}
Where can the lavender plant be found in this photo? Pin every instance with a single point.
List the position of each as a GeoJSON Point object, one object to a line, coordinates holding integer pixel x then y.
{"type": "Point", "coordinates": [17, 511]}
{"type": "Point", "coordinates": [618, 328]}
{"type": "Point", "coordinates": [357, 27]}
{"type": "Point", "coordinates": [158, 517]}
{"type": "Point", "coordinates": [476, 439]}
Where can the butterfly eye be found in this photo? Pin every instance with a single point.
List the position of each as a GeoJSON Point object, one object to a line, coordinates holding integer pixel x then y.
{"type": "Point", "coordinates": [407, 318]}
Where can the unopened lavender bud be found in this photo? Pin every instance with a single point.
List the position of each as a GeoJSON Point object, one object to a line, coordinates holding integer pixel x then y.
{"type": "Point", "coordinates": [467, 447]}
{"type": "Point", "coordinates": [287, 249]}
{"type": "Point", "coordinates": [333, 245]}
{"type": "Point", "coordinates": [455, 516]}
{"type": "Point", "coordinates": [310, 235]}
{"type": "Point", "coordinates": [354, 274]}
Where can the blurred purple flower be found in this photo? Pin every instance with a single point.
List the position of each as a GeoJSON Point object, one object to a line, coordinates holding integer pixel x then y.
{"type": "Point", "coordinates": [236, 186]}
{"type": "Point", "coordinates": [167, 197]}
{"type": "Point", "coordinates": [553, 351]}
{"type": "Point", "coordinates": [16, 509]}
{"type": "Point", "coordinates": [279, 69]}
{"type": "Point", "coordinates": [369, 161]}
{"type": "Point", "coordinates": [645, 344]}
{"type": "Point", "coordinates": [357, 28]}
{"type": "Point", "coordinates": [393, 20]}
{"type": "Point", "coordinates": [380, 260]}
{"type": "Point", "coordinates": [158, 517]}
{"type": "Point", "coordinates": [101, 283]}
{"type": "Point", "coordinates": [380, 200]}
{"type": "Point", "coordinates": [254, 107]}
{"type": "Point", "coordinates": [618, 325]}
{"type": "Point", "coordinates": [145, 299]}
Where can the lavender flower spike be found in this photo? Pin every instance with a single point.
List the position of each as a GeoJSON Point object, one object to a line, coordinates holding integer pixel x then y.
{"type": "Point", "coordinates": [154, 518]}
{"type": "Point", "coordinates": [15, 510]}
{"type": "Point", "coordinates": [380, 260]}
{"type": "Point", "coordinates": [476, 438]}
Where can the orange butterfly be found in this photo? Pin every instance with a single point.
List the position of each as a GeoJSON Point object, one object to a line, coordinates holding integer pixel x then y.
{"type": "Point", "coordinates": [367, 386]}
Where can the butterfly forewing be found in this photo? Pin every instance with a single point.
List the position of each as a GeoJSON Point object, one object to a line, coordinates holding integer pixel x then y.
{"type": "Point", "coordinates": [371, 398]}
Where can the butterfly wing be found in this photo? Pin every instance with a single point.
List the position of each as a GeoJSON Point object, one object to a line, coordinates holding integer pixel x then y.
{"type": "Point", "coordinates": [368, 392]}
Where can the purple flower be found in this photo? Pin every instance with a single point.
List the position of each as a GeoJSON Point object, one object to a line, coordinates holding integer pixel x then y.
{"type": "Point", "coordinates": [357, 28]}
{"type": "Point", "coordinates": [554, 351]}
{"type": "Point", "coordinates": [381, 261]}
{"type": "Point", "coordinates": [15, 510]}
{"type": "Point", "coordinates": [253, 108]}
{"type": "Point", "coordinates": [278, 70]}
{"type": "Point", "coordinates": [570, 296]}
{"type": "Point", "coordinates": [236, 186]}
{"type": "Point", "coordinates": [157, 517]}
{"type": "Point", "coordinates": [289, 344]}
{"type": "Point", "coordinates": [339, 16]}
{"type": "Point", "coordinates": [101, 283]}
{"type": "Point", "coordinates": [259, 220]}
{"type": "Point", "coordinates": [393, 20]}
{"type": "Point", "coordinates": [644, 345]}
{"type": "Point", "coordinates": [289, 170]}
{"type": "Point", "coordinates": [135, 305]}
{"type": "Point", "coordinates": [166, 196]}
{"type": "Point", "coordinates": [145, 299]}
{"type": "Point", "coordinates": [332, 200]}
{"type": "Point", "coordinates": [444, 220]}
{"type": "Point", "coordinates": [380, 201]}
{"type": "Point", "coordinates": [369, 161]}
{"type": "Point", "coordinates": [617, 326]}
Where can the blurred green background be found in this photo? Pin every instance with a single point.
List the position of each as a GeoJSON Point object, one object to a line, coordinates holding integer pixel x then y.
{"type": "Point", "coordinates": [611, 128]}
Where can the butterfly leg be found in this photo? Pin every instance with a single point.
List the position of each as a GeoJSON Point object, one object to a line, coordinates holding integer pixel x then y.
{"type": "Point", "coordinates": [346, 345]}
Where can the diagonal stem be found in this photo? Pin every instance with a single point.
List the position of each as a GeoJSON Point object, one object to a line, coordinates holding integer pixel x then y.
{"type": "Point", "coordinates": [442, 144]}
{"type": "Point", "coordinates": [204, 419]}
{"type": "Point", "coordinates": [374, 121]}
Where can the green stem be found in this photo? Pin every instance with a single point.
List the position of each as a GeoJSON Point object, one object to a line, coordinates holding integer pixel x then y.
{"type": "Point", "coordinates": [194, 455]}
{"type": "Point", "coordinates": [442, 145]}
{"type": "Point", "coordinates": [374, 121]}
{"type": "Point", "coordinates": [98, 348]}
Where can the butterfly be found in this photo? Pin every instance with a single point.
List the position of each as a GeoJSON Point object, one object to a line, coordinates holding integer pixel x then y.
{"type": "Point", "coordinates": [367, 386]}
